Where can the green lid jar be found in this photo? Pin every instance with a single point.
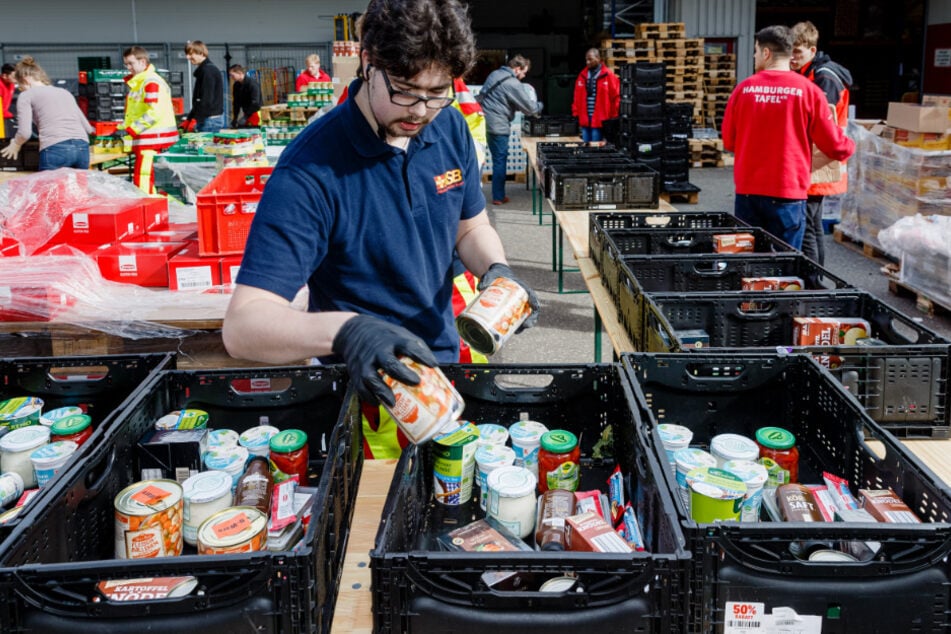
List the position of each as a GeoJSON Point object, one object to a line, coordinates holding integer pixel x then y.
{"type": "Point", "coordinates": [775, 438]}
{"type": "Point", "coordinates": [558, 441]}
{"type": "Point", "coordinates": [559, 461]}
{"type": "Point", "coordinates": [77, 428]}
{"type": "Point", "coordinates": [779, 445]}
{"type": "Point", "coordinates": [288, 440]}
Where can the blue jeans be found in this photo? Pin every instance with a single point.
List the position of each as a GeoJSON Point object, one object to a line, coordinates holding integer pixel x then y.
{"type": "Point", "coordinates": [211, 124]}
{"type": "Point", "coordinates": [783, 217]}
{"type": "Point", "coordinates": [70, 153]}
{"type": "Point", "coordinates": [591, 135]}
{"type": "Point", "coordinates": [499, 149]}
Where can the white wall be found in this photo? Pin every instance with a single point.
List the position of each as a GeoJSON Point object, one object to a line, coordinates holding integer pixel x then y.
{"type": "Point", "coordinates": [175, 21]}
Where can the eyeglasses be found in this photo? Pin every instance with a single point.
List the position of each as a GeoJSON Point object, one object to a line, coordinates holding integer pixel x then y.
{"type": "Point", "coordinates": [408, 99]}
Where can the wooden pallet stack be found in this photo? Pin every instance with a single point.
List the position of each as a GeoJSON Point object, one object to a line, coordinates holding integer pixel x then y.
{"type": "Point", "coordinates": [708, 153]}
{"type": "Point", "coordinates": [719, 79]}
{"type": "Point", "coordinates": [684, 61]}
{"type": "Point", "coordinates": [618, 52]}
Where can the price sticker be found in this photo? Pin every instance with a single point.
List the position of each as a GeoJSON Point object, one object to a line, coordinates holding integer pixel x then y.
{"type": "Point", "coordinates": [150, 495]}
{"type": "Point", "coordinates": [744, 617]}
{"type": "Point", "coordinates": [231, 525]}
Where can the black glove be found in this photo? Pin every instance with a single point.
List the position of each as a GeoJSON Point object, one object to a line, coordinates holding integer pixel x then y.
{"type": "Point", "coordinates": [119, 135]}
{"type": "Point", "coordinates": [502, 270]}
{"type": "Point", "coordinates": [368, 344]}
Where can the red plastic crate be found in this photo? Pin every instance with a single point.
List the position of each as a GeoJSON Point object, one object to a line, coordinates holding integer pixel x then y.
{"type": "Point", "coordinates": [178, 105]}
{"type": "Point", "coordinates": [226, 207]}
{"type": "Point", "coordinates": [106, 128]}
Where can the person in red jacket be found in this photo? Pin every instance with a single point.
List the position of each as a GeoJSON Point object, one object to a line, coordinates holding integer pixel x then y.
{"type": "Point", "coordinates": [597, 96]}
{"type": "Point", "coordinates": [834, 80]}
{"type": "Point", "coordinates": [8, 86]}
{"type": "Point", "coordinates": [771, 121]}
{"type": "Point", "coordinates": [313, 72]}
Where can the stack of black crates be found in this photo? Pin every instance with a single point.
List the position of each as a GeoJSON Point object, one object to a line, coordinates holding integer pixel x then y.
{"type": "Point", "coordinates": [653, 131]}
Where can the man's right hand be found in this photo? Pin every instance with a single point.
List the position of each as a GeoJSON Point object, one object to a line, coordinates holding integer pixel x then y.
{"type": "Point", "coordinates": [369, 344]}
{"type": "Point", "coordinates": [188, 125]}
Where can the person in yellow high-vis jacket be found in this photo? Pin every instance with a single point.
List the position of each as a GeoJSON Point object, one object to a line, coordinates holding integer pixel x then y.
{"type": "Point", "coordinates": [149, 116]}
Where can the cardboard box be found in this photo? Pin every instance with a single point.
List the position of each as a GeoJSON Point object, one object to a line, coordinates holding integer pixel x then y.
{"type": "Point", "coordinates": [142, 263]}
{"type": "Point", "coordinates": [33, 300]}
{"type": "Point", "coordinates": [174, 453]}
{"type": "Point", "coordinates": [589, 532]}
{"type": "Point", "coordinates": [345, 69]}
{"type": "Point", "coordinates": [734, 243]}
{"type": "Point", "coordinates": [104, 222]}
{"type": "Point", "coordinates": [229, 268]}
{"type": "Point", "coordinates": [188, 271]}
{"type": "Point", "coordinates": [909, 116]}
{"type": "Point", "coordinates": [923, 140]}
{"type": "Point", "coordinates": [936, 100]}
{"type": "Point", "coordinates": [829, 331]}
{"type": "Point", "coordinates": [155, 213]}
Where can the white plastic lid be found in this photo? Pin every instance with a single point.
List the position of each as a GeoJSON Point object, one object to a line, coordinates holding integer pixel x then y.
{"type": "Point", "coordinates": [527, 432]}
{"type": "Point", "coordinates": [691, 458]}
{"type": "Point", "coordinates": [206, 486]}
{"type": "Point", "coordinates": [258, 436]}
{"type": "Point", "coordinates": [53, 453]}
{"type": "Point", "coordinates": [59, 413]}
{"type": "Point", "coordinates": [226, 458]}
{"type": "Point", "coordinates": [734, 447]}
{"type": "Point", "coordinates": [222, 438]}
{"type": "Point", "coordinates": [25, 438]}
{"type": "Point", "coordinates": [676, 436]}
{"type": "Point", "coordinates": [716, 483]}
{"type": "Point", "coordinates": [494, 456]}
{"type": "Point", "coordinates": [752, 473]}
{"type": "Point", "coordinates": [492, 434]}
{"type": "Point", "coordinates": [512, 482]}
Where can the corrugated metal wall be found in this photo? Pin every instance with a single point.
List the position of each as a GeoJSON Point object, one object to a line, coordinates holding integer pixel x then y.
{"type": "Point", "coordinates": [720, 18]}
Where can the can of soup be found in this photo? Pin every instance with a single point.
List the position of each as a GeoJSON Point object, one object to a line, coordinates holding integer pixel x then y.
{"type": "Point", "coordinates": [239, 529]}
{"type": "Point", "coordinates": [494, 316]}
{"type": "Point", "coordinates": [425, 410]}
{"type": "Point", "coordinates": [149, 520]}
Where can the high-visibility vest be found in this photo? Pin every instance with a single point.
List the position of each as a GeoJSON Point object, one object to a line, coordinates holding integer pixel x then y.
{"type": "Point", "coordinates": [475, 118]}
{"type": "Point", "coordinates": [382, 437]}
{"type": "Point", "coordinates": [149, 115]}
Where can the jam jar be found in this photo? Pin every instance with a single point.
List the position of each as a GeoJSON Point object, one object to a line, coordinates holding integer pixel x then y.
{"type": "Point", "coordinates": [779, 445]}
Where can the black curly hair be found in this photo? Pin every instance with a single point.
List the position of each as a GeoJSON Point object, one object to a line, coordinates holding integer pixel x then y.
{"type": "Point", "coordinates": [404, 37]}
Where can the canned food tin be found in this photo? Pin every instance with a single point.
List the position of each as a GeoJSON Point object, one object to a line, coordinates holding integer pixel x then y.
{"type": "Point", "coordinates": [238, 529]}
{"type": "Point", "coordinates": [149, 520]}
{"type": "Point", "coordinates": [425, 410]}
{"type": "Point", "coordinates": [494, 316]}
{"type": "Point", "coordinates": [560, 584]}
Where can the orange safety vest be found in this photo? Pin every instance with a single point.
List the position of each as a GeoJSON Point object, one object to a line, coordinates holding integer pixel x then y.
{"type": "Point", "coordinates": [840, 186]}
{"type": "Point", "coordinates": [382, 437]}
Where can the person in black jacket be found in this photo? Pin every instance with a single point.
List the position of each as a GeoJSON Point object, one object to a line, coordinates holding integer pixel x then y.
{"type": "Point", "coordinates": [208, 96]}
{"type": "Point", "coordinates": [245, 98]}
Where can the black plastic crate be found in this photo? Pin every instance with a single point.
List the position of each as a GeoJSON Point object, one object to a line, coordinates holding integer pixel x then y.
{"type": "Point", "coordinates": [619, 243]}
{"type": "Point", "coordinates": [600, 224]}
{"type": "Point", "coordinates": [550, 125]}
{"type": "Point", "coordinates": [647, 130]}
{"type": "Point", "coordinates": [680, 188]}
{"type": "Point", "coordinates": [53, 564]}
{"type": "Point", "coordinates": [643, 73]}
{"type": "Point", "coordinates": [609, 159]}
{"type": "Point", "coordinates": [630, 185]}
{"type": "Point", "coordinates": [903, 384]}
{"type": "Point", "coordinates": [641, 275]}
{"type": "Point", "coordinates": [649, 93]}
{"type": "Point", "coordinates": [903, 588]}
{"type": "Point", "coordinates": [100, 386]}
{"type": "Point", "coordinates": [419, 588]}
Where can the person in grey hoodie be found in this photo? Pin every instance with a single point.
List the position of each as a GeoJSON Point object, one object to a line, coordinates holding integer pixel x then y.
{"type": "Point", "coordinates": [501, 96]}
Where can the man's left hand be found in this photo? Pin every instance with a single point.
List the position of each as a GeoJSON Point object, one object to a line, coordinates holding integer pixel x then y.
{"type": "Point", "coordinates": [498, 270]}
{"type": "Point", "coordinates": [11, 152]}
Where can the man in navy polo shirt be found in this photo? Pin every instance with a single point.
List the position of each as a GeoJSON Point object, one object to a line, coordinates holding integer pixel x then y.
{"type": "Point", "coordinates": [366, 207]}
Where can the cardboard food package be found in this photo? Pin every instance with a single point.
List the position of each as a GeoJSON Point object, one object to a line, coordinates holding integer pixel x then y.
{"type": "Point", "coordinates": [911, 116]}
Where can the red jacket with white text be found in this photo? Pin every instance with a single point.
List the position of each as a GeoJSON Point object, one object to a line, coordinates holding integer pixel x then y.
{"type": "Point", "coordinates": [607, 101]}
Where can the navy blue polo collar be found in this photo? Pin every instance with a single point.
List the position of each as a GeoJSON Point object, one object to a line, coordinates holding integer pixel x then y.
{"type": "Point", "coordinates": [364, 138]}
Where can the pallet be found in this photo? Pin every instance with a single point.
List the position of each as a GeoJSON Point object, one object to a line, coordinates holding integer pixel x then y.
{"type": "Point", "coordinates": [660, 30]}
{"type": "Point", "coordinates": [868, 250]}
{"type": "Point", "coordinates": [514, 177]}
{"type": "Point", "coordinates": [627, 43]}
{"type": "Point", "coordinates": [721, 57]}
{"type": "Point", "coordinates": [923, 302]}
{"type": "Point", "coordinates": [720, 73]}
{"type": "Point", "coordinates": [693, 46]}
{"type": "Point", "coordinates": [691, 198]}
{"type": "Point", "coordinates": [719, 64]}
{"type": "Point", "coordinates": [684, 83]}
{"type": "Point", "coordinates": [719, 81]}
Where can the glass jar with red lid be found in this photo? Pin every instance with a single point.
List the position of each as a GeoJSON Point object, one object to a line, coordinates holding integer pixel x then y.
{"type": "Point", "coordinates": [559, 461]}
{"type": "Point", "coordinates": [779, 445]}
{"type": "Point", "coordinates": [289, 453]}
{"type": "Point", "coordinates": [77, 428]}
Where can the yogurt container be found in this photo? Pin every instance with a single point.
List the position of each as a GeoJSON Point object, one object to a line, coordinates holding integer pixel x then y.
{"type": "Point", "coordinates": [231, 460]}
{"type": "Point", "coordinates": [20, 411]}
{"type": "Point", "coordinates": [686, 460]}
{"type": "Point", "coordinates": [715, 495]}
{"type": "Point", "coordinates": [454, 465]}
{"type": "Point", "coordinates": [49, 459]}
{"type": "Point", "coordinates": [222, 438]}
{"type": "Point", "coordinates": [204, 494]}
{"type": "Point", "coordinates": [512, 499]}
{"type": "Point", "coordinates": [11, 488]}
{"type": "Point", "coordinates": [674, 437]}
{"type": "Point", "coordinates": [50, 417]}
{"type": "Point", "coordinates": [754, 475]}
{"type": "Point", "coordinates": [726, 447]}
{"type": "Point", "coordinates": [488, 458]}
{"type": "Point", "coordinates": [15, 450]}
{"type": "Point", "coordinates": [257, 440]}
{"type": "Point", "coordinates": [492, 434]}
{"type": "Point", "coordinates": [526, 438]}
{"type": "Point", "coordinates": [183, 419]}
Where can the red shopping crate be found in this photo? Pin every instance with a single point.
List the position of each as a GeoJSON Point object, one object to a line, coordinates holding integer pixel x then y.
{"type": "Point", "coordinates": [226, 208]}
{"type": "Point", "coordinates": [178, 105]}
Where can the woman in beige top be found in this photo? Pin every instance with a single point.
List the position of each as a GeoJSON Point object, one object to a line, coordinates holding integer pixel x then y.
{"type": "Point", "coordinates": [60, 124]}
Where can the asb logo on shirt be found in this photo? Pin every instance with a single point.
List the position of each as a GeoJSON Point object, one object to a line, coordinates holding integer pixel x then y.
{"type": "Point", "coordinates": [449, 180]}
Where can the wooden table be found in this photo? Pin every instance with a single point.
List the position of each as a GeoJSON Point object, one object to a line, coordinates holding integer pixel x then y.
{"type": "Point", "coordinates": [354, 609]}
{"type": "Point", "coordinates": [100, 161]}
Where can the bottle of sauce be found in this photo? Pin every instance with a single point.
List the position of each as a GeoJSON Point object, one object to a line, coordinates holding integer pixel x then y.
{"type": "Point", "coordinates": [779, 445]}
{"type": "Point", "coordinates": [554, 505]}
{"type": "Point", "coordinates": [559, 460]}
{"type": "Point", "coordinates": [254, 485]}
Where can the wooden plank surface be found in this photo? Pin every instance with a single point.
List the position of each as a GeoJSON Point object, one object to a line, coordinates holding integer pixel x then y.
{"type": "Point", "coordinates": [606, 307]}
{"type": "Point", "coordinates": [574, 223]}
{"type": "Point", "coordinates": [353, 613]}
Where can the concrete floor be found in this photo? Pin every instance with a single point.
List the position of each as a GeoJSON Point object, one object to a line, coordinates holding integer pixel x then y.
{"type": "Point", "coordinates": [565, 333]}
